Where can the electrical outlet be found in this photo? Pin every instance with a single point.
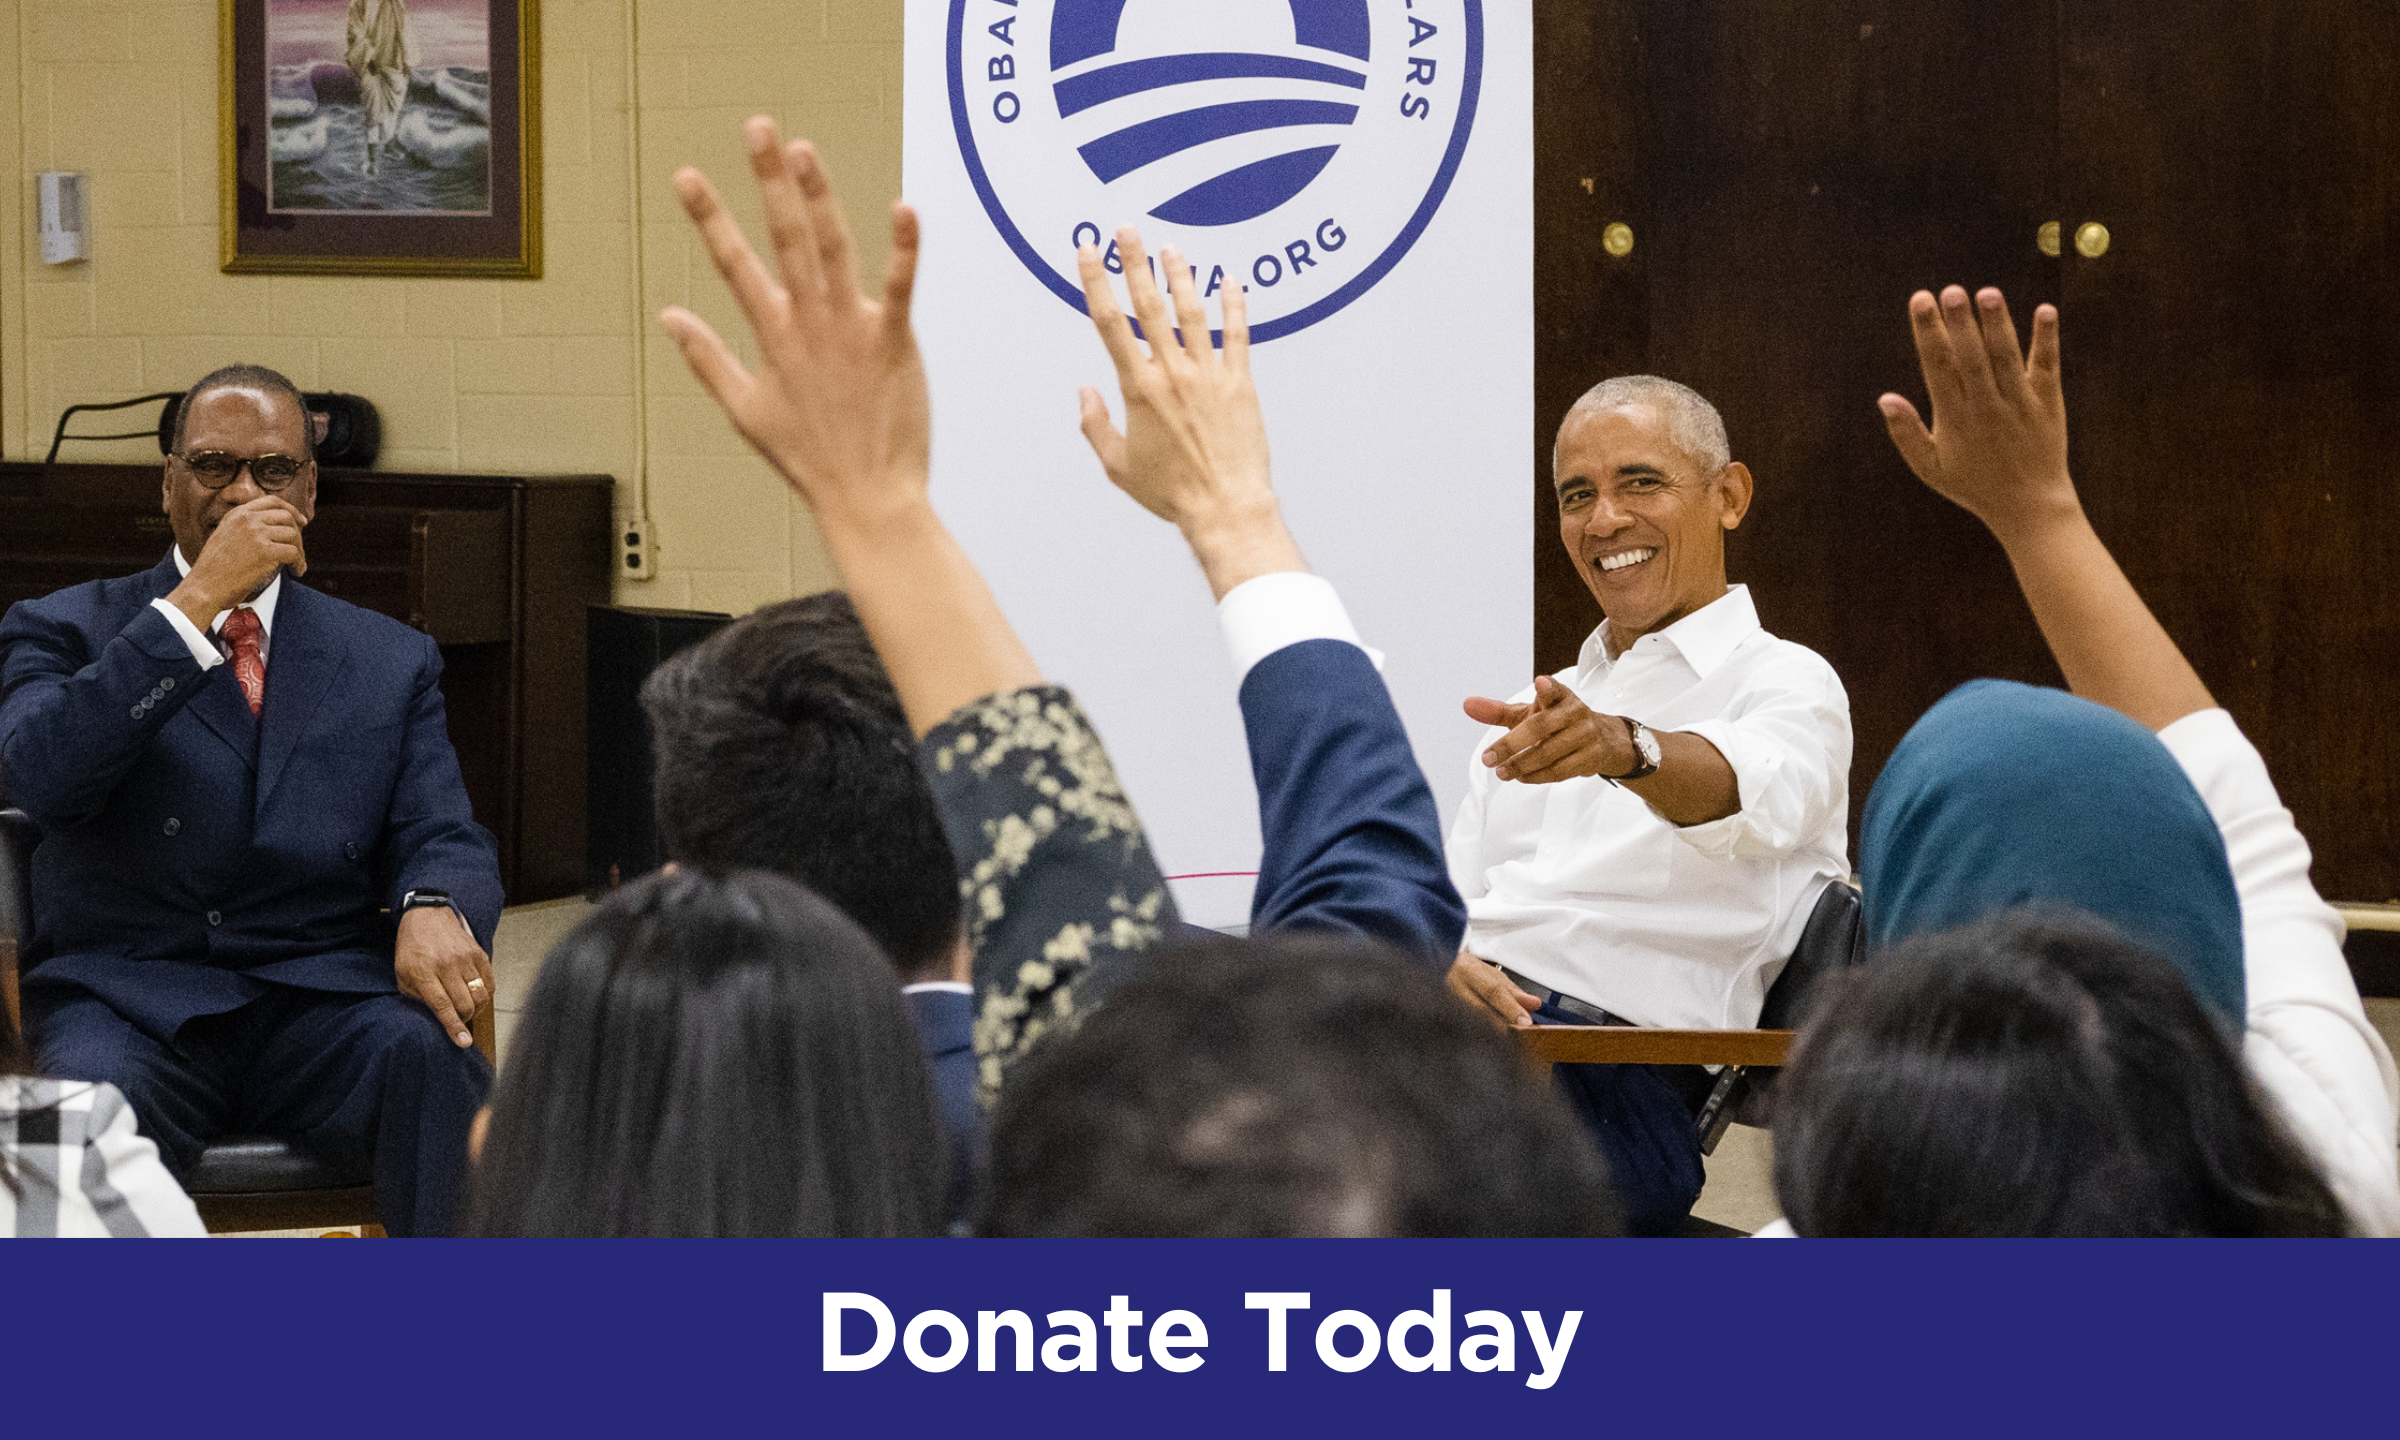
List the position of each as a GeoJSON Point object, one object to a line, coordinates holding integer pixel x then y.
{"type": "Point", "coordinates": [637, 557]}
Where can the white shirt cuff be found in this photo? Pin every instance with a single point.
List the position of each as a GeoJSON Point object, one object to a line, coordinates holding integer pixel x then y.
{"type": "Point", "coordinates": [1269, 612]}
{"type": "Point", "coordinates": [202, 650]}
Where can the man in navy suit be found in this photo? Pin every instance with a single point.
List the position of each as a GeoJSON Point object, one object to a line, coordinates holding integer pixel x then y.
{"type": "Point", "coordinates": [235, 778]}
{"type": "Point", "coordinates": [780, 745]}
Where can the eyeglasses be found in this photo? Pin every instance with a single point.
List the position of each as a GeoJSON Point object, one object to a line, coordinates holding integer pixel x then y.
{"type": "Point", "coordinates": [217, 469]}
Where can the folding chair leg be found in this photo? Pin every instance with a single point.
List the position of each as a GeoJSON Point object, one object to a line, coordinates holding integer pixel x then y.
{"type": "Point", "coordinates": [1717, 1111]}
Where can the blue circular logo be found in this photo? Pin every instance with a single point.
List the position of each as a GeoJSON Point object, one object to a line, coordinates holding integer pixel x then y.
{"type": "Point", "coordinates": [1300, 146]}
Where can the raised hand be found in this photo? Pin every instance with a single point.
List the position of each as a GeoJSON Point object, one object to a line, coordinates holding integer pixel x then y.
{"type": "Point", "coordinates": [242, 554]}
{"type": "Point", "coordinates": [1194, 448]}
{"type": "Point", "coordinates": [838, 403]}
{"type": "Point", "coordinates": [1556, 737]}
{"type": "Point", "coordinates": [1998, 445]}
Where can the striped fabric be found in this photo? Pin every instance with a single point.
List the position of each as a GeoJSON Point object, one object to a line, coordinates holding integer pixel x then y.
{"type": "Point", "coordinates": [71, 1164]}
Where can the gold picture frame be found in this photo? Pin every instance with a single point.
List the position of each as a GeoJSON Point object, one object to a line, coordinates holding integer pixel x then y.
{"type": "Point", "coordinates": [356, 217]}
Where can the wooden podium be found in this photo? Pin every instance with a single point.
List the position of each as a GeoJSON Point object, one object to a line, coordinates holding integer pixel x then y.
{"type": "Point", "coordinates": [498, 569]}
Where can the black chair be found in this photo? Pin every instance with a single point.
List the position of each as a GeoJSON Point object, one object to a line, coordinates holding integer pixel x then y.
{"type": "Point", "coordinates": [241, 1182]}
{"type": "Point", "coordinates": [1833, 939]}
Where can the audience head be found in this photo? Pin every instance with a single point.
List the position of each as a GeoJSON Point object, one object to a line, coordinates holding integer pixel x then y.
{"type": "Point", "coordinates": [1647, 487]}
{"type": "Point", "coordinates": [1290, 1087]}
{"type": "Point", "coordinates": [237, 413]}
{"type": "Point", "coordinates": [713, 1054]}
{"type": "Point", "coordinates": [2031, 1074]}
{"type": "Point", "coordinates": [781, 745]}
{"type": "Point", "coordinates": [2006, 795]}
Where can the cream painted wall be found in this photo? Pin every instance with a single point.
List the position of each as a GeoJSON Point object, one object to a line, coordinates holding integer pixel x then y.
{"type": "Point", "coordinates": [469, 375]}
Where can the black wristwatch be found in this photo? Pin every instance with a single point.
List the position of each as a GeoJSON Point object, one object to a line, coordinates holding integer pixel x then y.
{"type": "Point", "coordinates": [425, 900]}
{"type": "Point", "coordinates": [1645, 747]}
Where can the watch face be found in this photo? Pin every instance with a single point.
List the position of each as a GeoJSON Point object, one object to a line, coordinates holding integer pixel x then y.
{"type": "Point", "coordinates": [1647, 743]}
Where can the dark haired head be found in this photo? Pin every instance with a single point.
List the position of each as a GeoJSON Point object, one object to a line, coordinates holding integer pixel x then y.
{"type": "Point", "coordinates": [2032, 1074]}
{"type": "Point", "coordinates": [1289, 1087]}
{"type": "Point", "coordinates": [781, 744]}
{"type": "Point", "coordinates": [712, 1055]}
{"type": "Point", "coordinates": [251, 377]}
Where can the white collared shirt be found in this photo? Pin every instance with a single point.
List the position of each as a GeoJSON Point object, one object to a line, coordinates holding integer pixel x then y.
{"type": "Point", "coordinates": [205, 648]}
{"type": "Point", "coordinates": [1582, 886]}
{"type": "Point", "coordinates": [1267, 613]}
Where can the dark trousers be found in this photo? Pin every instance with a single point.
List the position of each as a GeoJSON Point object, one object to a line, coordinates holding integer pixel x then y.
{"type": "Point", "coordinates": [367, 1083]}
{"type": "Point", "coordinates": [1641, 1118]}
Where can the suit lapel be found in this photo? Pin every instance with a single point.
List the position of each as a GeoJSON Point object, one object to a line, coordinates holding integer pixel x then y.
{"type": "Point", "coordinates": [219, 704]}
{"type": "Point", "coordinates": [303, 656]}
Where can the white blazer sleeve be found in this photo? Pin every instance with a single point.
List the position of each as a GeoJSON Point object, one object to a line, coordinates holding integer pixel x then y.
{"type": "Point", "coordinates": [2308, 1042]}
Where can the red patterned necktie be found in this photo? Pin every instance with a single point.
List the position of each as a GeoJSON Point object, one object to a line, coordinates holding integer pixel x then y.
{"type": "Point", "coordinates": [249, 667]}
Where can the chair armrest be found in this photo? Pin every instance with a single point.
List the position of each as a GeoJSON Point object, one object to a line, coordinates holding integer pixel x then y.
{"type": "Point", "coordinates": [17, 837]}
{"type": "Point", "coordinates": [1636, 1045]}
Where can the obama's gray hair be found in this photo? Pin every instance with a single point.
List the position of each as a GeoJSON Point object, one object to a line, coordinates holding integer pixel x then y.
{"type": "Point", "coordinates": [1692, 423]}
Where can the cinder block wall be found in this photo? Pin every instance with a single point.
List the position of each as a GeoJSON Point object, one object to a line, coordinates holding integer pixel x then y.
{"type": "Point", "coordinates": [469, 375]}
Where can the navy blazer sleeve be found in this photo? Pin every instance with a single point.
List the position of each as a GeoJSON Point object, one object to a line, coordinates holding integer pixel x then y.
{"type": "Point", "coordinates": [1353, 841]}
{"type": "Point", "coordinates": [71, 723]}
{"type": "Point", "coordinates": [430, 838]}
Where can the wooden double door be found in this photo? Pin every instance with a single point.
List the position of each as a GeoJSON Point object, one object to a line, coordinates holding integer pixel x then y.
{"type": "Point", "coordinates": [1788, 172]}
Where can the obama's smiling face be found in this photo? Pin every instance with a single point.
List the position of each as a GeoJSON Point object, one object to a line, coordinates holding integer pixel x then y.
{"type": "Point", "coordinates": [1643, 518]}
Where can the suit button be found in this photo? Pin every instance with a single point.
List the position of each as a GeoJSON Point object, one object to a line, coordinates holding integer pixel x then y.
{"type": "Point", "coordinates": [350, 850]}
{"type": "Point", "coordinates": [140, 710]}
{"type": "Point", "coordinates": [215, 919]}
{"type": "Point", "coordinates": [174, 826]}
{"type": "Point", "coordinates": [167, 684]}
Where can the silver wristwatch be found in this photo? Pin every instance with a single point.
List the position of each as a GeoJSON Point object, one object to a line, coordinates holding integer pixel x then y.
{"type": "Point", "coordinates": [1645, 745]}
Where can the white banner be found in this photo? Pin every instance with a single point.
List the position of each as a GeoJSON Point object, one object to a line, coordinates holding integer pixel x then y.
{"type": "Point", "coordinates": [1365, 166]}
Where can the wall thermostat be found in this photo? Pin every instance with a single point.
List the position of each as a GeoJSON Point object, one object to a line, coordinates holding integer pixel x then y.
{"type": "Point", "coordinates": [66, 232]}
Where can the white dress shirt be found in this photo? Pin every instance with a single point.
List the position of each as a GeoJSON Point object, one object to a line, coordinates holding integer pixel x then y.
{"type": "Point", "coordinates": [1266, 613]}
{"type": "Point", "coordinates": [1583, 887]}
{"type": "Point", "coordinates": [205, 648]}
{"type": "Point", "coordinates": [2307, 1039]}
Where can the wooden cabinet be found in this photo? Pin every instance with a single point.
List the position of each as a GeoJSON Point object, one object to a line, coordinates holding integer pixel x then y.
{"type": "Point", "coordinates": [497, 569]}
{"type": "Point", "coordinates": [1791, 173]}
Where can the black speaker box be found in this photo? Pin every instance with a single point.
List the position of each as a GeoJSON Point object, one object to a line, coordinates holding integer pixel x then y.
{"type": "Point", "coordinates": [622, 646]}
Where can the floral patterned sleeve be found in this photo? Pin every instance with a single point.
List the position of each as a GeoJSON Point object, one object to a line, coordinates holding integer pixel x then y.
{"type": "Point", "coordinates": [1060, 889]}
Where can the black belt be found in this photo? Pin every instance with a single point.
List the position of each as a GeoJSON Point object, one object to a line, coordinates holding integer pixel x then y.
{"type": "Point", "coordinates": [1582, 1010]}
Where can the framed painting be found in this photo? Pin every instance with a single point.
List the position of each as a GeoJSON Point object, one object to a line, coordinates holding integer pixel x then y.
{"type": "Point", "coordinates": [381, 137]}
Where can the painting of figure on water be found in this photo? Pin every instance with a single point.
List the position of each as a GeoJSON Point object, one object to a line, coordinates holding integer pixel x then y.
{"type": "Point", "coordinates": [379, 107]}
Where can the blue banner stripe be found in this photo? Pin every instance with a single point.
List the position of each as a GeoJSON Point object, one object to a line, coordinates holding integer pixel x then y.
{"type": "Point", "coordinates": [1248, 192]}
{"type": "Point", "coordinates": [1097, 87]}
{"type": "Point", "coordinates": [1127, 150]}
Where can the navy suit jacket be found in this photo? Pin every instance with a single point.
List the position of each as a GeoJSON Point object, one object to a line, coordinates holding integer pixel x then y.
{"type": "Point", "coordinates": [191, 853]}
{"type": "Point", "coordinates": [1353, 841]}
{"type": "Point", "coordinates": [945, 1021]}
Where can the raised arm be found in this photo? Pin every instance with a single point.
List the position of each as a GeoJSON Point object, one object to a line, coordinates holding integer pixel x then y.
{"type": "Point", "coordinates": [1998, 447]}
{"type": "Point", "coordinates": [1352, 839]}
{"type": "Point", "coordinates": [838, 406]}
{"type": "Point", "coordinates": [1061, 887]}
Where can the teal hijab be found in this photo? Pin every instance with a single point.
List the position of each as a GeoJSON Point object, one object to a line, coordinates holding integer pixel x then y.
{"type": "Point", "coordinates": [2007, 795]}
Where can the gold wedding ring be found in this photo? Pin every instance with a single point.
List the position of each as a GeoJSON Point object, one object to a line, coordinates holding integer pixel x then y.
{"type": "Point", "coordinates": [476, 983]}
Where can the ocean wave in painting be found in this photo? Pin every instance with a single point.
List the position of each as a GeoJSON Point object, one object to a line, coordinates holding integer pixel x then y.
{"type": "Point", "coordinates": [438, 162]}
